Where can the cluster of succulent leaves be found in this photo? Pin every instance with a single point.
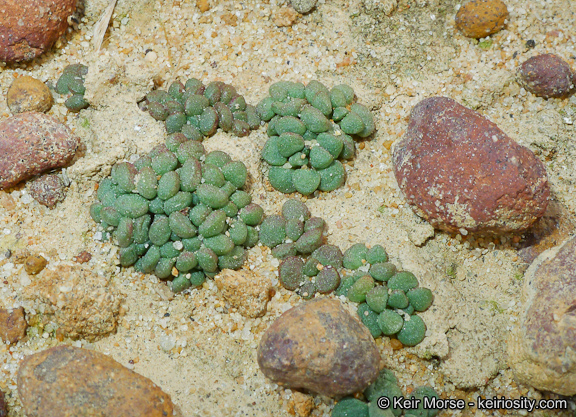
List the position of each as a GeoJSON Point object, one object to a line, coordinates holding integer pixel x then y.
{"type": "Point", "coordinates": [179, 213]}
{"type": "Point", "coordinates": [386, 385]}
{"type": "Point", "coordinates": [388, 298]}
{"type": "Point", "coordinates": [197, 110]}
{"type": "Point", "coordinates": [71, 83]}
{"type": "Point", "coordinates": [310, 130]}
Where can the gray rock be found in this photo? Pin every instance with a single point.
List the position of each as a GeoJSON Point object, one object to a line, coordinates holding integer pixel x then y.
{"type": "Point", "coordinates": [319, 346]}
{"type": "Point", "coordinates": [542, 349]}
{"type": "Point", "coordinates": [303, 6]}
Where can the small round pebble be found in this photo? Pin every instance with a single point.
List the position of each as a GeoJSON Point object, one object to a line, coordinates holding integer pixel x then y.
{"type": "Point", "coordinates": [303, 6]}
{"type": "Point", "coordinates": [28, 94]}
{"type": "Point", "coordinates": [34, 264]}
{"type": "Point", "coordinates": [480, 18]}
{"type": "Point", "coordinates": [48, 190]}
{"type": "Point", "coordinates": [548, 76]}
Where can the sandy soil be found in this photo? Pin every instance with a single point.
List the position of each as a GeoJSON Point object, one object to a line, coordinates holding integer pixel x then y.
{"type": "Point", "coordinates": [203, 353]}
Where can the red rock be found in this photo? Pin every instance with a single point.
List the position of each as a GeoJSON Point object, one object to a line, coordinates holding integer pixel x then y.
{"type": "Point", "coordinates": [30, 27]}
{"type": "Point", "coordinates": [32, 143]}
{"type": "Point", "coordinates": [64, 381]}
{"type": "Point", "coordinates": [48, 190]}
{"type": "Point", "coordinates": [547, 76]}
{"type": "Point", "coordinates": [481, 18]}
{"type": "Point", "coordinates": [319, 346]}
{"type": "Point", "coordinates": [541, 349]}
{"type": "Point", "coordinates": [458, 170]}
{"type": "Point", "coordinates": [12, 325]}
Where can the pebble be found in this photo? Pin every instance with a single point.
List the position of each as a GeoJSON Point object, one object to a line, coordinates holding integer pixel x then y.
{"type": "Point", "coordinates": [541, 349]}
{"type": "Point", "coordinates": [48, 190]}
{"type": "Point", "coordinates": [29, 94]}
{"type": "Point", "coordinates": [481, 18]}
{"type": "Point", "coordinates": [30, 27]}
{"type": "Point", "coordinates": [247, 291]}
{"type": "Point", "coordinates": [81, 303]}
{"type": "Point", "coordinates": [32, 143]}
{"type": "Point", "coordinates": [319, 346]}
{"type": "Point", "coordinates": [34, 264]}
{"type": "Point", "coordinates": [284, 17]}
{"type": "Point", "coordinates": [548, 76]}
{"type": "Point", "coordinates": [69, 381]}
{"type": "Point", "coordinates": [458, 170]}
{"type": "Point", "coordinates": [3, 406]}
{"type": "Point", "coordinates": [303, 6]}
{"type": "Point", "coordinates": [12, 325]}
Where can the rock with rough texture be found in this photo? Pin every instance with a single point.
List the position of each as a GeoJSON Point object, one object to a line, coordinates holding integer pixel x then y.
{"type": "Point", "coordinates": [245, 290]}
{"type": "Point", "coordinates": [30, 27]}
{"type": "Point", "coordinates": [12, 325]}
{"type": "Point", "coordinates": [319, 346]}
{"type": "Point", "coordinates": [481, 18]}
{"type": "Point", "coordinates": [32, 143]}
{"type": "Point", "coordinates": [542, 349]}
{"type": "Point", "coordinates": [3, 406]}
{"type": "Point", "coordinates": [28, 94]}
{"type": "Point", "coordinates": [48, 190]}
{"type": "Point", "coordinates": [548, 76]}
{"type": "Point", "coordinates": [79, 302]}
{"type": "Point", "coordinates": [65, 381]}
{"type": "Point", "coordinates": [461, 173]}
{"type": "Point", "coordinates": [303, 6]}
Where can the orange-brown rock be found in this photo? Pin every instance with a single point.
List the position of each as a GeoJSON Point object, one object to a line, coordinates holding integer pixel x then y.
{"type": "Point", "coordinates": [542, 349]}
{"type": "Point", "coordinates": [80, 303]}
{"type": "Point", "coordinates": [28, 94]}
{"type": "Point", "coordinates": [32, 143]}
{"type": "Point", "coordinates": [548, 76]}
{"type": "Point", "coordinates": [30, 27]}
{"type": "Point", "coordinates": [461, 173]}
{"type": "Point", "coordinates": [12, 325]}
{"type": "Point", "coordinates": [319, 346]}
{"type": "Point", "coordinates": [65, 381]}
{"type": "Point", "coordinates": [480, 18]}
{"type": "Point", "coordinates": [245, 290]}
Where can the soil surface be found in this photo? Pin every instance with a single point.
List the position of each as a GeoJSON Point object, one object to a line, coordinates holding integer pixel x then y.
{"type": "Point", "coordinates": [193, 345]}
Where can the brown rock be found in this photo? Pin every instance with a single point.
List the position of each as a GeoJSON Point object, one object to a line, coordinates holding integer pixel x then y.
{"type": "Point", "coordinates": [83, 257]}
{"type": "Point", "coordinates": [480, 18]}
{"type": "Point", "coordinates": [303, 404]}
{"type": "Point", "coordinates": [12, 325]}
{"type": "Point", "coordinates": [459, 171]}
{"type": "Point", "coordinates": [64, 381]}
{"type": "Point", "coordinates": [542, 349]}
{"type": "Point", "coordinates": [203, 5]}
{"type": "Point", "coordinates": [30, 27]}
{"type": "Point", "coordinates": [3, 406]}
{"type": "Point", "coordinates": [48, 190]}
{"type": "Point", "coordinates": [34, 264]}
{"type": "Point", "coordinates": [284, 16]}
{"type": "Point", "coordinates": [28, 94]}
{"type": "Point", "coordinates": [81, 303]}
{"type": "Point", "coordinates": [319, 346]}
{"type": "Point", "coordinates": [245, 290]}
{"type": "Point", "coordinates": [32, 143]}
{"type": "Point", "coordinates": [547, 76]}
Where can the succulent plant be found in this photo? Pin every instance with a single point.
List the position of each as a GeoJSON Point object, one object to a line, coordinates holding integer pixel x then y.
{"type": "Point", "coordinates": [310, 130]}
